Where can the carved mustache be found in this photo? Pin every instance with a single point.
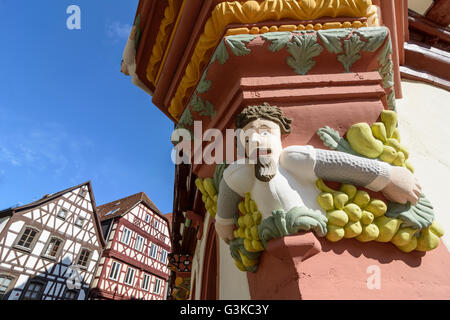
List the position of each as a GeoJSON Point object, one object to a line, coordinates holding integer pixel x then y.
{"type": "Point", "coordinates": [265, 168]}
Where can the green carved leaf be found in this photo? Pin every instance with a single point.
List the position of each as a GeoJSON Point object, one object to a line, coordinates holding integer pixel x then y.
{"type": "Point", "coordinates": [197, 103]}
{"type": "Point", "coordinates": [203, 108]}
{"type": "Point", "coordinates": [386, 66]}
{"type": "Point", "coordinates": [334, 141]}
{"type": "Point", "coordinates": [374, 37]}
{"type": "Point", "coordinates": [303, 49]}
{"type": "Point", "coordinates": [270, 229]}
{"type": "Point", "coordinates": [387, 74]}
{"type": "Point", "coordinates": [297, 219]}
{"type": "Point", "coordinates": [352, 47]}
{"type": "Point", "coordinates": [237, 43]}
{"type": "Point", "coordinates": [383, 56]}
{"type": "Point", "coordinates": [278, 40]}
{"type": "Point", "coordinates": [186, 119]}
{"type": "Point", "coordinates": [237, 245]}
{"type": "Point", "coordinates": [221, 53]}
{"type": "Point", "coordinates": [331, 39]}
{"type": "Point", "coordinates": [204, 85]}
{"type": "Point", "coordinates": [304, 219]}
{"type": "Point", "coordinates": [419, 216]}
{"type": "Point", "coordinates": [391, 101]}
{"type": "Point", "coordinates": [208, 110]}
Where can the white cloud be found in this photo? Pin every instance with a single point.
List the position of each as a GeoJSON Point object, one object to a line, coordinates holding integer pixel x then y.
{"type": "Point", "coordinates": [117, 30]}
{"type": "Point", "coordinates": [47, 147]}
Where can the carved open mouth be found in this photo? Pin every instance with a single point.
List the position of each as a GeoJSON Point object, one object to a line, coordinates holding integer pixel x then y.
{"type": "Point", "coordinates": [264, 151]}
{"type": "Point", "coordinates": [260, 152]}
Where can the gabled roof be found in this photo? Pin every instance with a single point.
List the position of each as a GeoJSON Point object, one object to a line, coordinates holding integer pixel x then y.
{"type": "Point", "coordinates": [120, 207]}
{"type": "Point", "coordinates": [50, 197]}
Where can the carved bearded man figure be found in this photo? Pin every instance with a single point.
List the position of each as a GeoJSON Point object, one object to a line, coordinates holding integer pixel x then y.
{"type": "Point", "coordinates": [283, 179]}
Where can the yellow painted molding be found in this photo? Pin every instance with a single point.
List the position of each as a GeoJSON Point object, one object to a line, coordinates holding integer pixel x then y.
{"type": "Point", "coordinates": [253, 11]}
{"type": "Point", "coordinates": [317, 26]}
{"type": "Point", "coordinates": [170, 40]}
{"type": "Point", "coordinates": [162, 39]}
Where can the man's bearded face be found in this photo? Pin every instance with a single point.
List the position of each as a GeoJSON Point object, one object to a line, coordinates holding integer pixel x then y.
{"type": "Point", "coordinates": [262, 141]}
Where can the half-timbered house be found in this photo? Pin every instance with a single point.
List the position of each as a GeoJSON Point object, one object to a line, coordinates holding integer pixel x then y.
{"type": "Point", "coordinates": [50, 248]}
{"type": "Point", "coordinates": [134, 263]}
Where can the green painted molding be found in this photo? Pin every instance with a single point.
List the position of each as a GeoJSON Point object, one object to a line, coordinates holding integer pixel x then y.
{"type": "Point", "coordinates": [278, 40]}
{"type": "Point", "coordinates": [373, 37]}
{"type": "Point", "coordinates": [221, 54]}
{"type": "Point", "coordinates": [204, 108]}
{"type": "Point", "coordinates": [391, 100]}
{"type": "Point", "coordinates": [332, 39]}
{"type": "Point", "coordinates": [204, 85]}
{"type": "Point", "coordinates": [186, 119]}
{"type": "Point", "coordinates": [302, 46]}
{"type": "Point", "coordinates": [348, 43]}
{"type": "Point", "coordinates": [297, 219]}
{"type": "Point", "coordinates": [237, 43]}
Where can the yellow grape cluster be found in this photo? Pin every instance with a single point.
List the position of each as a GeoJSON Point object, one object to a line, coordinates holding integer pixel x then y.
{"type": "Point", "coordinates": [248, 225]}
{"type": "Point", "coordinates": [209, 194]}
{"type": "Point", "coordinates": [381, 140]}
{"type": "Point", "coordinates": [351, 213]}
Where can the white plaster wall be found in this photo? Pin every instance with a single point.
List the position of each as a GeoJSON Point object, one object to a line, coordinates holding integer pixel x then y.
{"type": "Point", "coordinates": [197, 261]}
{"type": "Point", "coordinates": [424, 115]}
{"type": "Point", "coordinates": [3, 223]}
{"type": "Point", "coordinates": [233, 282]}
{"type": "Point", "coordinates": [419, 6]}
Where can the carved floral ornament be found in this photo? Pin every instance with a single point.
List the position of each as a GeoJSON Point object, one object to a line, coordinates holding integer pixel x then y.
{"type": "Point", "coordinates": [228, 12]}
{"type": "Point", "coordinates": [304, 47]}
{"type": "Point", "coordinates": [347, 211]}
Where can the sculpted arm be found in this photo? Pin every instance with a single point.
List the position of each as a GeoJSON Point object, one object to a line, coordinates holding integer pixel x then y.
{"type": "Point", "coordinates": [227, 204]}
{"type": "Point", "coordinates": [396, 183]}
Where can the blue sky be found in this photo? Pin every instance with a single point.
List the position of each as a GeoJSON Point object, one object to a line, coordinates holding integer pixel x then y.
{"type": "Point", "coordinates": [67, 114]}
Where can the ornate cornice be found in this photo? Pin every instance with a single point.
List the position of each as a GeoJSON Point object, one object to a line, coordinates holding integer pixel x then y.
{"type": "Point", "coordinates": [252, 11]}
{"type": "Point", "coordinates": [162, 39]}
{"type": "Point", "coordinates": [300, 27]}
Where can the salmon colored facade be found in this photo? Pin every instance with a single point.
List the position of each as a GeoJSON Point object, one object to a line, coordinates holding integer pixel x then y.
{"type": "Point", "coordinates": [325, 64]}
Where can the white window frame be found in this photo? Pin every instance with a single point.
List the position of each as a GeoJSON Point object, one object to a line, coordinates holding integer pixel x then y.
{"type": "Point", "coordinates": [124, 232]}
{"type": "Point", "coordinates": [83, 192]}
{"type": "Point", "coordinates": [62, 216]}
{"type": "Point", "coordinates": [47, 247]}
{"type": "Point", "coordinates": [81, 220]}
{"type": "Point", "coordinates": [157, 286]}
{"type": "Point", "coordinates": [133, 273]}
{"type": "Point", "coordinates": [141, 246]}
{"type": "Point", "coordinates": [153, 255]}
{"type": "Point", "coordinates": [156, 224]}
{"type": "Point", "coordinates": [146, 282]}
{"type": "Point", "coordinates": [163, 256]}
{"type": "Point", "coordinates": [147, 217]}
{"type": "Point", "coordinates": [116, 270]}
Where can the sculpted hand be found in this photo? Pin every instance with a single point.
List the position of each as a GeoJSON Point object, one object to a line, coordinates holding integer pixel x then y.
{"type": "Point", "coordinates": [403, 186]}
{"type": "Point", "coordinates": [225, 231]}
